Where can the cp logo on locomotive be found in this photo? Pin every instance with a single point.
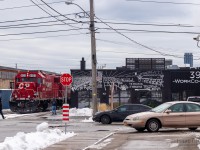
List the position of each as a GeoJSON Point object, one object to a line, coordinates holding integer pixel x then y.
{"type": "Point", "coordinates": [22, 85]}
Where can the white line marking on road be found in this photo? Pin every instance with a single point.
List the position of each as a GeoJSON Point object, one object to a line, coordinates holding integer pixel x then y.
{"type": "Point", "coordinates": [99, 141]}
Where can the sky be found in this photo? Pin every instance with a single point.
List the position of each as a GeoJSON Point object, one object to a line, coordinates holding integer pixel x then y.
{"type": "Point", "coordinates": [55, 36]}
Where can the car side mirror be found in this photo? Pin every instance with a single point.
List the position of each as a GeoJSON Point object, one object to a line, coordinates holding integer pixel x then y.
{"type": "Point", "coordinates": [168, 111]}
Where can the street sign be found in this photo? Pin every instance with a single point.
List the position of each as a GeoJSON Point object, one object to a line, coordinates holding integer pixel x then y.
{"type": "Point", "coordinates": [66, 79]}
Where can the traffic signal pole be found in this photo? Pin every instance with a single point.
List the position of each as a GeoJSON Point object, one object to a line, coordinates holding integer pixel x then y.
{"type": "Point", "coordinates": [93, 58]}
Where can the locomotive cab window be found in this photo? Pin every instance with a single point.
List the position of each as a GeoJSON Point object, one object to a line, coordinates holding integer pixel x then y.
{"type": "Point", "coordinates": [17, 79]}
{"type": "Point", "coordinates": [39, 81]}
{"type": "Point", "coordinates": [28, 79]}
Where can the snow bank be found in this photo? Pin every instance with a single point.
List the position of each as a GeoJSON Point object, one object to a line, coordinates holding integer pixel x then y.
{"type": "Point", "coordinates": [87, 120]}
{"type": "Point", "coordinates": [80, 112]}
{"type": "Point", "coordinates": [43, 137]}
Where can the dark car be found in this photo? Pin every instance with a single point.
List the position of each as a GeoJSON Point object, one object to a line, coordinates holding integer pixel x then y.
{"type": "Point", "coordinates": [120, 113]}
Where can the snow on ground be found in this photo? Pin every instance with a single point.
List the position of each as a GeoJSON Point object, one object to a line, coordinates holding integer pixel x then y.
{"type": "Point", "coordinates": [87, 120]}
{"type": "Point", "coordinates": [80, 112]}
{"type": "Point", "coordinates": [43, 137]}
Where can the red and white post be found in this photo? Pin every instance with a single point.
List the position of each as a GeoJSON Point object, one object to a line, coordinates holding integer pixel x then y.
{"type": "Point", "coordinates": [65, 114]}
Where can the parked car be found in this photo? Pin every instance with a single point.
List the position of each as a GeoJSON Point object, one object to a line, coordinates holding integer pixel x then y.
{"type": "Point", "coordinates": [176, 114]}
{"type": "Point", "coordinates": [194, 98]}
{"type": "Point", "coordinates": [120, 113]}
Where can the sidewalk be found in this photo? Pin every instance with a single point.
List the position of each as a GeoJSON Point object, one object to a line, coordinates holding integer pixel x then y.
{"type": "Point", "coordinates": [85, 136]}
{"type": "Point", "coordinates": [81, 141]}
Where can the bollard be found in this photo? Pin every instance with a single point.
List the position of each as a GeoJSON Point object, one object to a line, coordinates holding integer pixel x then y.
{"type": "Point", "coordinates": [65, 115]}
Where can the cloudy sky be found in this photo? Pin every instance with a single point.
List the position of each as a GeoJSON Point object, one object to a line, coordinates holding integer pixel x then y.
{"type": "Point", "coordinates": [55, 36]}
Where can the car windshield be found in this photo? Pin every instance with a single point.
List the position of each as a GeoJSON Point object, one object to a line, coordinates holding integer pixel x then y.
{"type": "Point", "coordinates": [194, 99]}
{"type": "Point", "coordinates": [161, 107]}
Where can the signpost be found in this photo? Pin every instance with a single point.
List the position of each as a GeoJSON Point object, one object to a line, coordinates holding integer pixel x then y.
{"type": "Point", "coordinates": [66, 80]}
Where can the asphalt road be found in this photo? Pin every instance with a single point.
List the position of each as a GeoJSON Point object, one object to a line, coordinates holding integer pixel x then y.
{"type": "Point", "coordinates": [92, 135]}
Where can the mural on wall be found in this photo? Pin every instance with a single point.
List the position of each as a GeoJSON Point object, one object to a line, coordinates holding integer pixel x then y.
{"type": "Point", "coordinates": [82, 80]}
{"type": "Point", "coordinates": [148, 80]}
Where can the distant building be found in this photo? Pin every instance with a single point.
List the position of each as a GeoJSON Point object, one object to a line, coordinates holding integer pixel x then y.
{"type": "Point", "coordinates": [7, 76]}
{"type": "Point", "coordinates": [141, 80]}
{"type": "Point", "coordinates": [168, 62]}
{"type": "Point", "coordinates": [172, 67]}
{"type": "Point", "coordinates": [188, 59]}
{"type": "Point", "coordinates": [147, 63]}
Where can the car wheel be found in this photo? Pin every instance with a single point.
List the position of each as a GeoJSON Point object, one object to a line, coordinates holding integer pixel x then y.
{"type": "Point", "coordinates": [153, 125]}
{"type": "Point", "coordinates": [193, 128]}
{"type": "Point", "coordinates": [105, 119]}
{"type": "Point", "coordinates": [140, 129]}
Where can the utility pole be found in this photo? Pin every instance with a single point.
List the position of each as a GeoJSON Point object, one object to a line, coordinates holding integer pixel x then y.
{"type": "Point", "coordinates": [197, 39]}
{"type": "Point", "coordinates": [93, 58]}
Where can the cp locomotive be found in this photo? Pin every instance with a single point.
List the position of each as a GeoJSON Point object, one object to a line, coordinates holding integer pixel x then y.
{"type": "Point", "coordinates": [34, 91]}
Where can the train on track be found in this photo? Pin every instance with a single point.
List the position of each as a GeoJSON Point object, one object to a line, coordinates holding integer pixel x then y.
{"type": "Point", "coordinates": [34, 91]}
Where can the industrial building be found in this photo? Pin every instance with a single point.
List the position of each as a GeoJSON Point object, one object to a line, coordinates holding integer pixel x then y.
{"type": "Point", "coordinates": [141, 80]}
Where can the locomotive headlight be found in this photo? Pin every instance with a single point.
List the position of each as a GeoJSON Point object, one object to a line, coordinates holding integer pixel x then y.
{"type": "Point", "coordinates": [29, 96]}
{"type": "Point", "coordinates": [15, 96]}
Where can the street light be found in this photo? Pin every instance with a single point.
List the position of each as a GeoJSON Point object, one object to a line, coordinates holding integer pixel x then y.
{"type": "Point", "coordinates": [93, 53]}
{"type": "Point", "coordinates": [197, 39]}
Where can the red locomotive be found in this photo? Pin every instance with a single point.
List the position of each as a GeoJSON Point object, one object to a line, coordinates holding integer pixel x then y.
{"type": "Point", "coordinates": [34, 91]}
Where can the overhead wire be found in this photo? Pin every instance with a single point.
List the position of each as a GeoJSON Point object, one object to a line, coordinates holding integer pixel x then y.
{"type": "Point", "coordinates": [102, 28]}
{"type": "Point", "coordinates": [122, 43]}
{"type": "Point", "coordinates": [59, 12]}
{"type": "Point", "coordinates": [29, 25]}
{"type": "Point", "coordinates": [39, 32]}
{"type": "Point", "coordinates": [130, 39]}
{"type": "Point", "coordinates": [155, 31]}
{"type": "Point", "coordinates": [150, 24]}
{"type": "Point", "coordinates": [26, 6]}
{"type": "Point", "coordinates": [38, 18]}
{"type": "Point", "coordinates": [53, 16]}
{"type": "Point", "coordinates": [42, 37]}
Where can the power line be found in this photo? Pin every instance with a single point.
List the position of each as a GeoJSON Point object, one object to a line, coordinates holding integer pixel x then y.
{"type": "Point", "coordinates": [147, 47]}
{"type": "Point", "coordinates": [119, 52]}
{"type": "Point", "coordinates": [41, 32]}
{"type": "Point", "coordinates": [59, 13]}
{"type": "Point", "coordinates": [149, 24]}
{"type": "Point", "coordinates": [53, 16]}
{"type": "Point", "coordinates": [38, 18]}
{"type": "Point", "coordinates": [41, 37]}
{"type": "Point", "coordinates": [26, 6]}
{"type": "Point", "coordinates": [109, 22]}
{"type": "Point", "coordinates": [154, 31]}
{"type": "Point", "coordinates": [121, 43]}
{"type": "Point", "coordinates": [35, 24]}
{"type": "Point", "coordinates": [128, 37]}
{"type": "Point", "coordinates": [30, 26]}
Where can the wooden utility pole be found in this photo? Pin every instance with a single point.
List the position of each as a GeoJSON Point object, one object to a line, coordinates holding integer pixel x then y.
{"type": "Point", "coordinates": [93, 58]}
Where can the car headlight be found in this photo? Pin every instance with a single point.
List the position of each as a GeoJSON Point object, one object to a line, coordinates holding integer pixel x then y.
{"type": "Point", "coordinates": [136, 118]}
